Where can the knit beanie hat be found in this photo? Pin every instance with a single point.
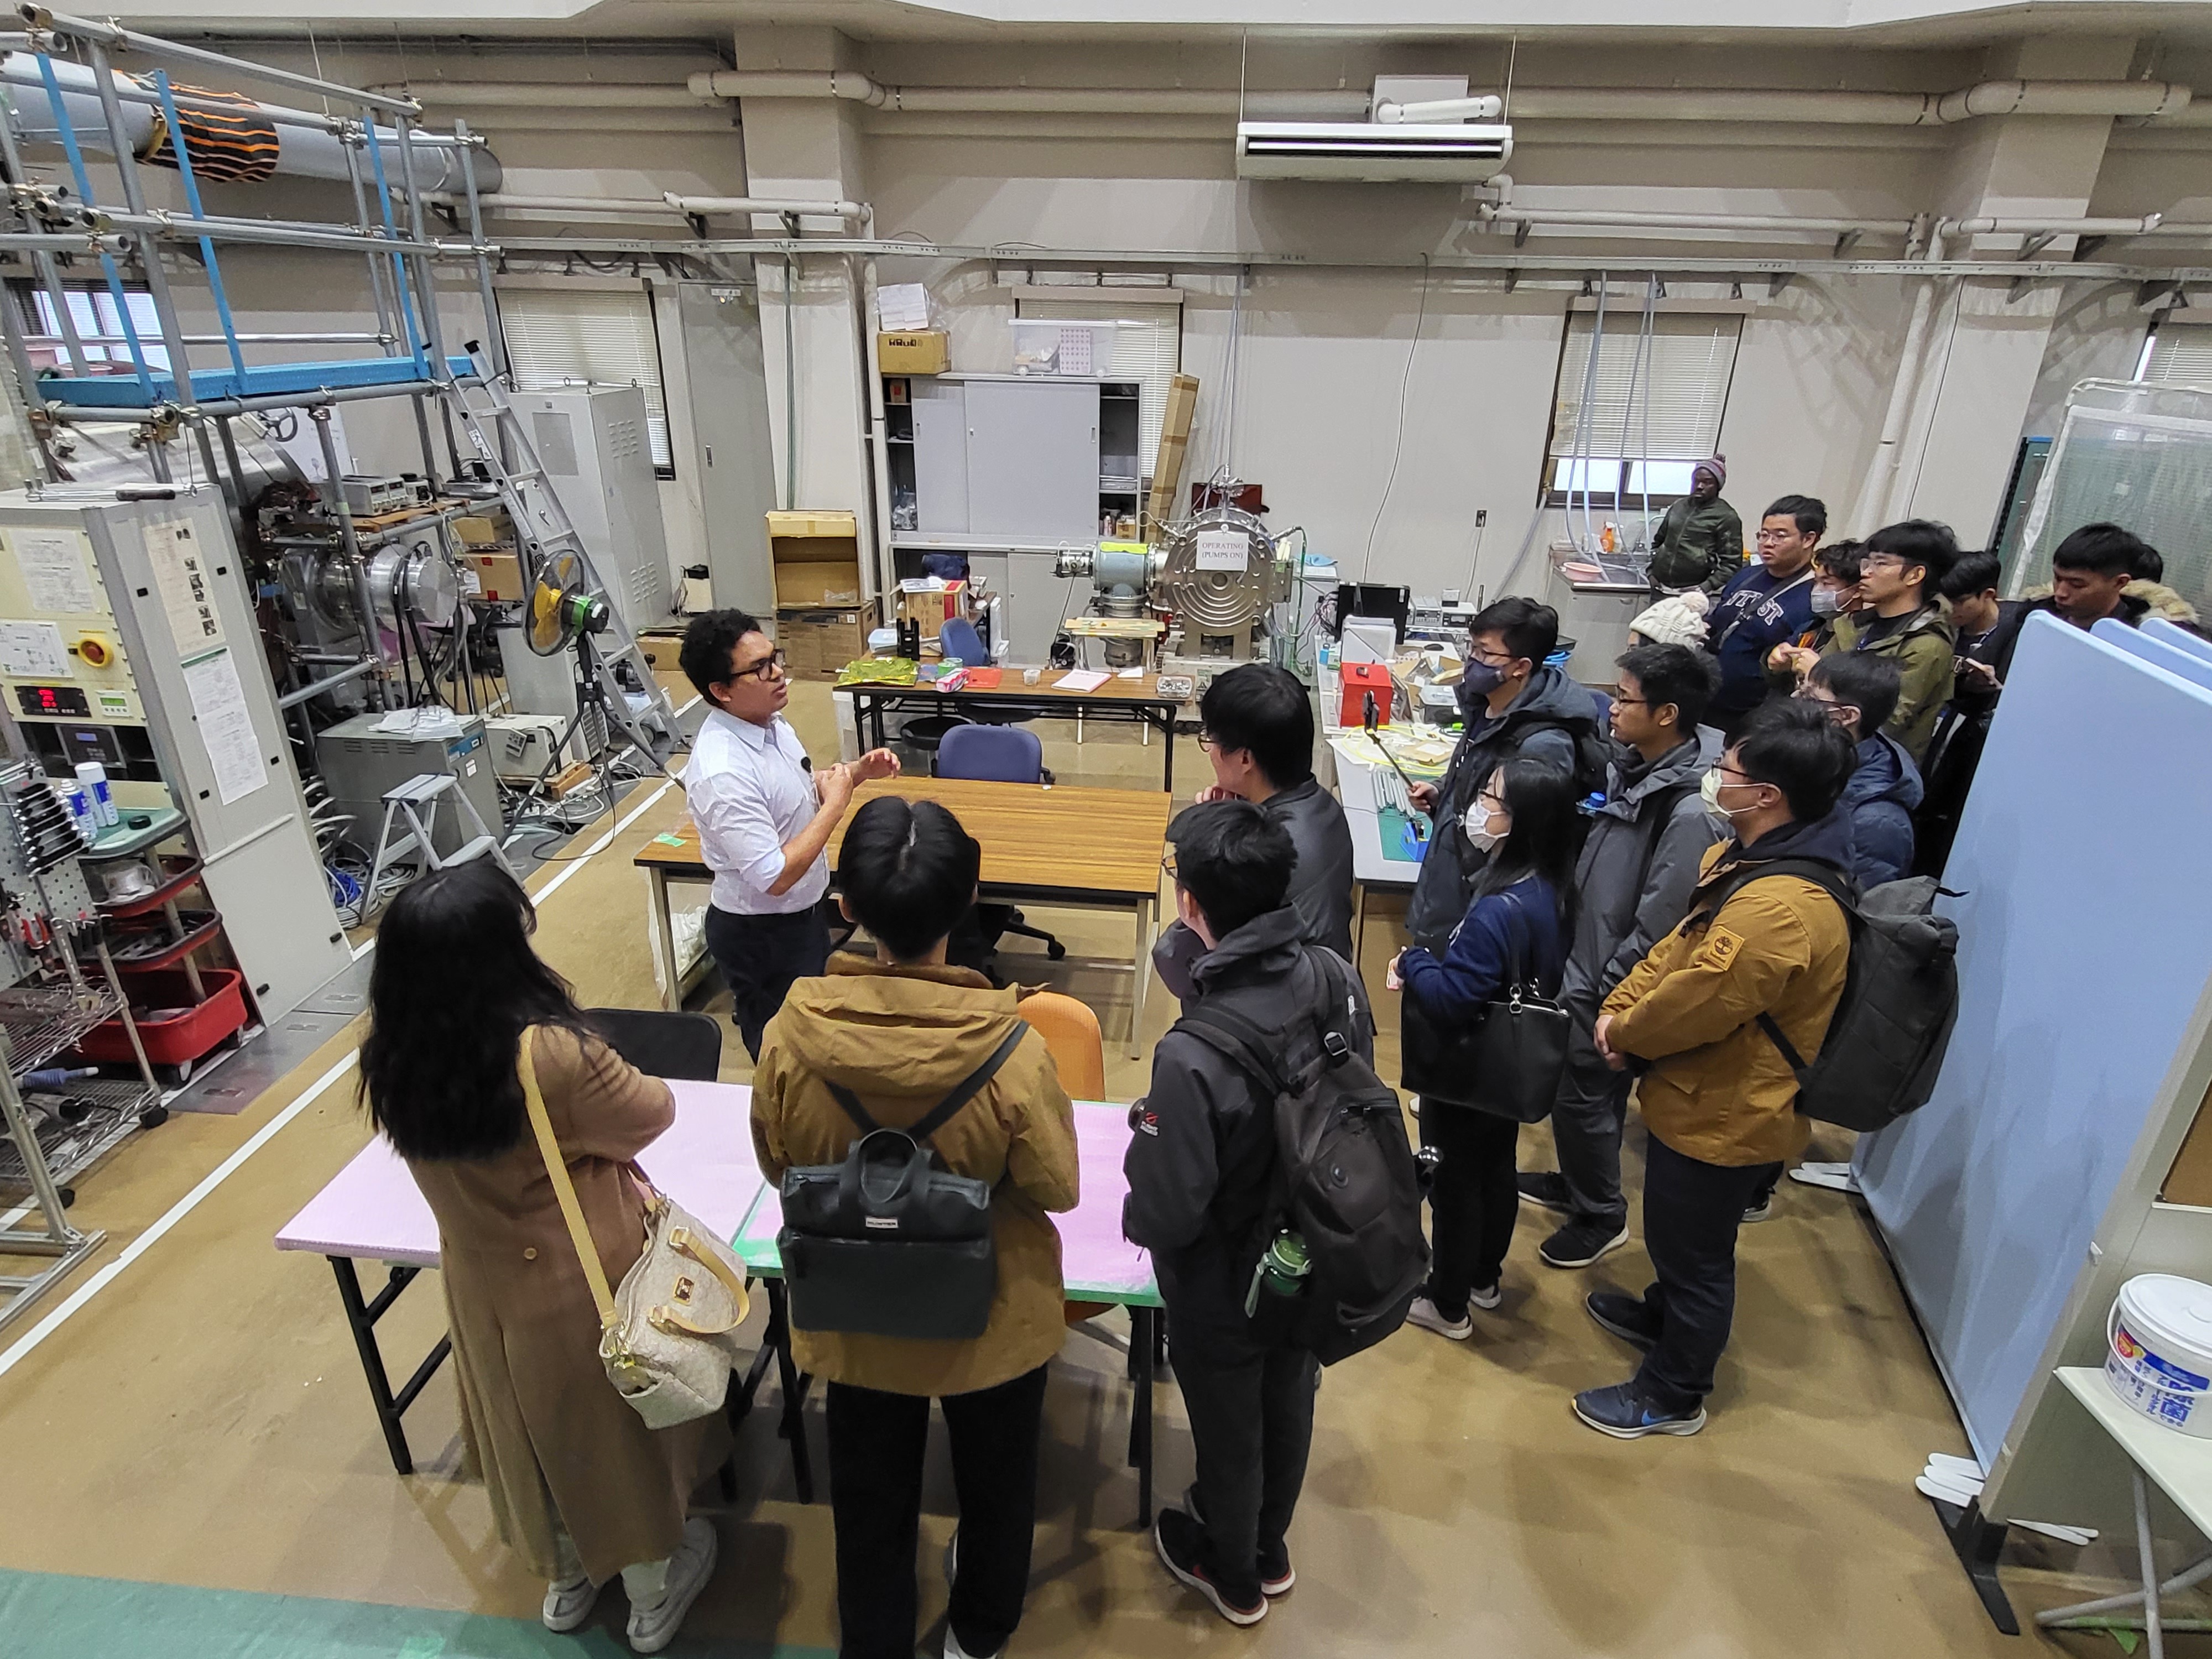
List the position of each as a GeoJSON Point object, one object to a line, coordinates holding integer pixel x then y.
{"type": "Point", "coordinates": [1717, 465]}
{"type": "Point", "coordinates": [1678, 620]}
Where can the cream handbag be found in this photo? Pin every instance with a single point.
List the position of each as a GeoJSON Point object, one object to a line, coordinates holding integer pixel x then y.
{"type": "Point", "coordinates": [668, 1334]}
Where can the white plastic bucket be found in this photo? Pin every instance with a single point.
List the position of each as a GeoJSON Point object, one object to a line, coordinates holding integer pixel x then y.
{"type": "Point", "coordinates": [2159, 1338]}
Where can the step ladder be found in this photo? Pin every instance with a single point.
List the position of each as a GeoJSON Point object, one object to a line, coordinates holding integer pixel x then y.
{"type": "Point", "coordinates": [543, 530]}
{"type": "Point", "coordinates": [412, 809]}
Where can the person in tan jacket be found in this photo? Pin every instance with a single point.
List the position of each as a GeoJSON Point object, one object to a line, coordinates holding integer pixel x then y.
{"type": "Point", "coordinates": [1716, 1096]}
{"type": "Point", "coordinates": [580, 1487]}
{"type": "Point", "coordinates": [901, 1033]}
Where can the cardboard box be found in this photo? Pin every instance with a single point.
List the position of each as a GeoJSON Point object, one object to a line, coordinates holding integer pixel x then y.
{"type": "Point", "coordinates": [816, 557]}
{"type": "Point", "coordinates": [479, 531]}
{"type": "Point", "coordinates": [495, 576]}
{"type": "Point", "coordinates": [815, 644]}
{"type": "Point", "coordinates": [934, 607]}
{"type": "Point", "coordinates": [928, 352]}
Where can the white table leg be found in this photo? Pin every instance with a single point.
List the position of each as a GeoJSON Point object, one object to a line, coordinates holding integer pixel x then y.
{"type": "Point", "coordinates": [1147, 917]}
{"type": "Point", "coordinates": [2152, 1628]}
{"type": "Point", "coordinates": [667, 972]}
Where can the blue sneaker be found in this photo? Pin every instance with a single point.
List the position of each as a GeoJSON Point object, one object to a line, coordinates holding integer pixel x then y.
{"type": "Point", "coordinates": [1623, 1412]}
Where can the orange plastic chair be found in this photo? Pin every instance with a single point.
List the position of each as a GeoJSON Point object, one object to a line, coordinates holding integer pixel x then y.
{"type": "Point", "coordinates": [1071, 1031]}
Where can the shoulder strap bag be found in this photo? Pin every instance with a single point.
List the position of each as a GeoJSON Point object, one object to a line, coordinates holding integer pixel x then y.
{"type": "Point", "coordinates": [668, 1335]}
{"type": "Point", "coordinates": [1507, 1060]}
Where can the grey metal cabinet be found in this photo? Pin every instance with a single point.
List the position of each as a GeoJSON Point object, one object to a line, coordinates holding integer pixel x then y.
{"type": "Point", "coordinates": [940, 454]}
{"type": "Point", "coordinates": [729, 413]}
{"type": "Point", "coordinates": [1033, 459]}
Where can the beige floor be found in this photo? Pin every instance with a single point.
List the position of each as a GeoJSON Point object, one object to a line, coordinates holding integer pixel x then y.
{"type": "Point", "coordinates": [202, 1420]}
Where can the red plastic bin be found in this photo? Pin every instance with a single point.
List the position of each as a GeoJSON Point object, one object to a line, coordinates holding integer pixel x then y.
{"type": "Point", "coordinates": [190, 1034]}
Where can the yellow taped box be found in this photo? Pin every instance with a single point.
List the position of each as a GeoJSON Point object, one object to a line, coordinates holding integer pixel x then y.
{"type": "Point", "coordinates": [816, 560]}
{"type": "Point", "coordinates": [927, 352]}
{"type": "Point", "coordinates": [815, 644]}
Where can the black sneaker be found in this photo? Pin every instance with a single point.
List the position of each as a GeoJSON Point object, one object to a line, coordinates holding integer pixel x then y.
{"type": "Point", "coordinates": [1276, 1573]}
{"type": "Point", "coordinates": [1181, 1542]}
{"type": "Point", "coordinates": [1581, 1244]}
{"type": "Point", "coordinates": [1547, 1190]}
{"type": "Point", "coordinates": [1625, 1316]}
{"type": "Point", "coordinates": [1623, 1412]}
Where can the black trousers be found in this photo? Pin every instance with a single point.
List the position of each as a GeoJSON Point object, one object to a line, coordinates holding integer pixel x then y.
{"type": "Point", "coordinates": [1251, 1424]}
{"type": "Point", "coordinates": [1691, 1212]}
{"type": "Point", "coordinates": [1586, 1125]}
{"type": "Point", "coordinates": [876, 1445]}
{"type": "Point", "coordinates": [1474, 1202]}
{"type": "Point", "coordinates": [760, 956]}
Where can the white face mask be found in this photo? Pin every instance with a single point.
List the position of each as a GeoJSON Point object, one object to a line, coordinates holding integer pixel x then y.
{"type": "Point", "coordinates": [1710, 790]}
{"type": "Point", "coordinates": [1478, 827]}
{"type": "Point", "coordinates": [1827, 601]}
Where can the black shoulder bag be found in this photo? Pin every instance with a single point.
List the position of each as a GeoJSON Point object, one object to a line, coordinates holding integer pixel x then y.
{"type": "Point", "coordinates": [887, 1244]}
{"type": "Point", "coordinates": [1507, 1061]}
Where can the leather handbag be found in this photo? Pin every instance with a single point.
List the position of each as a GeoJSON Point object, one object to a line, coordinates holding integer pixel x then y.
{"type": "Point", "coordinates": [668, 1334]}
{"type": "Point", "coordinates": [1507, 1060]}
{"type": "Point", "coordinates": [887, 1243]}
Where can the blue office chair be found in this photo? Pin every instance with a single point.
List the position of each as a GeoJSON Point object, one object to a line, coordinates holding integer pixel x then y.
{"type": "Point", "coordinates": [958, 638]}
{"type": "Point", "coordinates": [995, 754]}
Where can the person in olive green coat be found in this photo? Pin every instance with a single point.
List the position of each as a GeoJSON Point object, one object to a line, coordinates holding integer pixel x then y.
{"type": "Point", "coordinates": [1901, 616]}
{"type": "Point", "coordinates": [1700, 540]}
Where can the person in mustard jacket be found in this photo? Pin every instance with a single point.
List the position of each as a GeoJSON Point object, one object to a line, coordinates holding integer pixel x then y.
{"type": "Point", "coordinates": [1719, 1098]}
{"type": "Point", "coordinates": [900, 1032]}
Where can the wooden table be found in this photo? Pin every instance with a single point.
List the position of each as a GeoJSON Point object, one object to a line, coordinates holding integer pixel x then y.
{"type": "Point", "coordinates": [1138, 700]}
{"type": "Point", "coordinates": [1090, 848]}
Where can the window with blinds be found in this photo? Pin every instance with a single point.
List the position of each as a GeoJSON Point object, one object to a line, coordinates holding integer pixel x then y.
{"type": "Point", "coordinates": [1655, 405]}
{"type": "Point", "coordinates": [2180, 355]}
{"type": "Point", "coordinates": [98, 323]}
{"type": "Point", "coordinates": [558, 336]}
{"type": "Point", "coordinates": [1147, 349]}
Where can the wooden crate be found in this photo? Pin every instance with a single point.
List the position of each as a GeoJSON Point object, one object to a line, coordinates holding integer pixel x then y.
{"type": "Point", "coordinates": [1175, 440]}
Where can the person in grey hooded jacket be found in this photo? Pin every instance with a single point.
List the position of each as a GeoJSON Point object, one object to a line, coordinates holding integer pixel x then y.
{"type": "Point", "coordinates": [1513, 705]}
{"type": "Point", "coordinates": [1256, 725]}
{"type": "Point", "coordinates": [1639, 866]}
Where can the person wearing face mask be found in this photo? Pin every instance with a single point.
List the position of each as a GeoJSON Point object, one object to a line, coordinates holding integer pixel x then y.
{"type": "Point", "coordinates": [1699, 540]}
{"type": "Point", "coordinates": [1858, 691]}
{"type": "Point", "coordinates": [1767, 602]}
{"type": "Point", "coordinates": [1513, 705]}
{"type": "Point", "coordinates": [1835, 592]}
{"type": "Point", "coordinates": [1715, 1094]}
{"type": "Point", "coordinates": [1524, 819]}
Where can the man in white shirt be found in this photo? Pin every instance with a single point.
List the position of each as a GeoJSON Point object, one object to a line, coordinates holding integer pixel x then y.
{"type": "Point", "coordinates": [764, 815]}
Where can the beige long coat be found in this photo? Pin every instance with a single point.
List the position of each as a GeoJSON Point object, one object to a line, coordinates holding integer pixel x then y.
{"type": "Point", "coordinates": [558, 1448]}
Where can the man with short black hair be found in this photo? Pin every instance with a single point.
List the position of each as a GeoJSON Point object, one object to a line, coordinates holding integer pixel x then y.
{"type": "Point", "coordinates": [1905, 618]}
{"type": "Point", "coordinates": [1763, 603]}
{"type": "Point", "coordinates": [1988, 626]}
{"type": "Point", "coordinates": [1647, 841]}
{"type": "Point", "coordinates": [1257, 726]}
{"type": "Point", "coordinates": [1513, 705]}
{"type": "Point", "coordinates": [1717, 1095]}
{"type": "Point", "coordinates": [765, 818]}
{"type": "Point", "coordinates": [1859, 691]}
{"type": "Point", "coordinates": [1202, 1169]}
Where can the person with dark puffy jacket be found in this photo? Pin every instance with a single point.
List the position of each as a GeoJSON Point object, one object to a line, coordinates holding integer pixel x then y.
{"type": "Point", "coordinates": [1860, 692]}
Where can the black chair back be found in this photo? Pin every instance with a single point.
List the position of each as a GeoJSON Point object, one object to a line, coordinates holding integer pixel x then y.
{"type": "Point", "coordinates": [663, 1044]}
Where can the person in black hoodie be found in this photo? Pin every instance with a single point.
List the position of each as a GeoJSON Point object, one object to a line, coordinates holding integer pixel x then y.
{"type": "Point", "coordinates": [1513, 705]}
{"type": "Point", "coordinates": [1201, 1168]}
{"type": "Point", "coordinates": [1987, 627]}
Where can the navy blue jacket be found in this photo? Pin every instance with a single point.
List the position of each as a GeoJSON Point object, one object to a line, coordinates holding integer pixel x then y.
{"type": "Point", "coordinates": [1879, 801]}
{"type": "Point", "coordinates": [1478, 963]}
{"type": "Point", "coordinates": [1754, 613]}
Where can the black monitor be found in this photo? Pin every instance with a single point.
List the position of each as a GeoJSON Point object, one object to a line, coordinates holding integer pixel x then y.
{"type": "Point", "coordinates": [1376, 599]}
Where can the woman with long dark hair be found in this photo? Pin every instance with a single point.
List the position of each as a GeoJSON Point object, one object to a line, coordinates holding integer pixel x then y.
{"type": "Point", "coordinates": [1522, 906]}
{"type": "Point", "coordinates": [580, 1487]}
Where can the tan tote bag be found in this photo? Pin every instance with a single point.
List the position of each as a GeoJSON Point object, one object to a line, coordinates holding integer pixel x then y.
{"type": "Point", "coordinates": [668, 1335]}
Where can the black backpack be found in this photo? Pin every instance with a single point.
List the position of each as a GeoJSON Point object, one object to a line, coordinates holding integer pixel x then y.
{"type": "Point", "coordinates": [886, 1243]}
{"type": "Point", "coordinates": [1346, 1179]}
{"type": "Point", "coordinates": [1886, 1041]}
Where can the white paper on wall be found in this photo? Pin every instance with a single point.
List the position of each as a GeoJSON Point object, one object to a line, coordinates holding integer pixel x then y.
{"type": "Point", "coordinates": [187, 585]}
{"type": "Point", "coordinates": [1222, 549]}
{"type": "Point", "coordinates": [36, 649]}
{"type": "Point", "coordinates": [226, 725]}
{"type": "Point", "coordinates": [56, 569]}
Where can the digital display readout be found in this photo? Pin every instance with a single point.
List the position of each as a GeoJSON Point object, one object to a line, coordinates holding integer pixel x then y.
{"type": "Point", "coordinates": [52, 702]}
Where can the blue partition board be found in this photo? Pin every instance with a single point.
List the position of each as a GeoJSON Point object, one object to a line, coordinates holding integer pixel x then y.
{"type": "Point", "coordinates": [2186, 664]}
{"type": "Point", "coordinates": [2085, 941]}
{"type": "Point", "coordinates": [2166, 632]}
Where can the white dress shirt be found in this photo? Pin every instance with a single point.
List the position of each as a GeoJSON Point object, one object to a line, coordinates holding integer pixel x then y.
{"type": "Point", "coordinates": [751, 791]}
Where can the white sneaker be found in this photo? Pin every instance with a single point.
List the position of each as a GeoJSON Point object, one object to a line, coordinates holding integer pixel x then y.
{"type": "Point", "coordinates": [1488, 1300]}
{"type": "Point", "coordinates": [1423, 1313]}
{"type": "Point", "coordinates": [568, 1605]}
{"type": "Point", "coordinates": [954, 1650]}
{"type": "Point", "coordinates": [653, 1628]}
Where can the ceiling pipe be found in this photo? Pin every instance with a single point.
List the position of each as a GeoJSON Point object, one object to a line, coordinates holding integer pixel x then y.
{"type": "Point", "coordinates": [572, 95]}
{"type": "Point", "coordinates": [1629, 220]}
{"type": "Point", "coordinates": [672, 205]}
{"type": "Point", "coordinates": [2150, 224]}
{"type": "Point", "coordinates": [2138, 100]}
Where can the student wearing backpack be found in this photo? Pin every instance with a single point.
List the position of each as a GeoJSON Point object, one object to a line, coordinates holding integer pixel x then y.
{"type": "Point", "coordinates": [1525, 817]}
{"type": "Point", "coordinates": [1644, 852]}
{"type": "Point", "coordinates": [1859, 692]}
{"type": "Point", "coordinates": [900, 1032]}
{"type": "Point", "coordinates": [1203, 1168]}
{"type": "Point", "coordinates": [1716, 1093]}
{"type": "Point", "coordinates": [1513, 705]}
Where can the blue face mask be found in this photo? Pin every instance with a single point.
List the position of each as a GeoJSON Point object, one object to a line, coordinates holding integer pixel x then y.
{"type": "Point", "coordinates": [1476, 682]}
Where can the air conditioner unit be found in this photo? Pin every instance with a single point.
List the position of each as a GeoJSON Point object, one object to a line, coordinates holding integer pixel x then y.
{"type": "Point", "coordinates": [1454, 154]}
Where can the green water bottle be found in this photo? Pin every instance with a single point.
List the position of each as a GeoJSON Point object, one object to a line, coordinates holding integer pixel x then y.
{"type": "Point", "coordinates": [1283, 1267]}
